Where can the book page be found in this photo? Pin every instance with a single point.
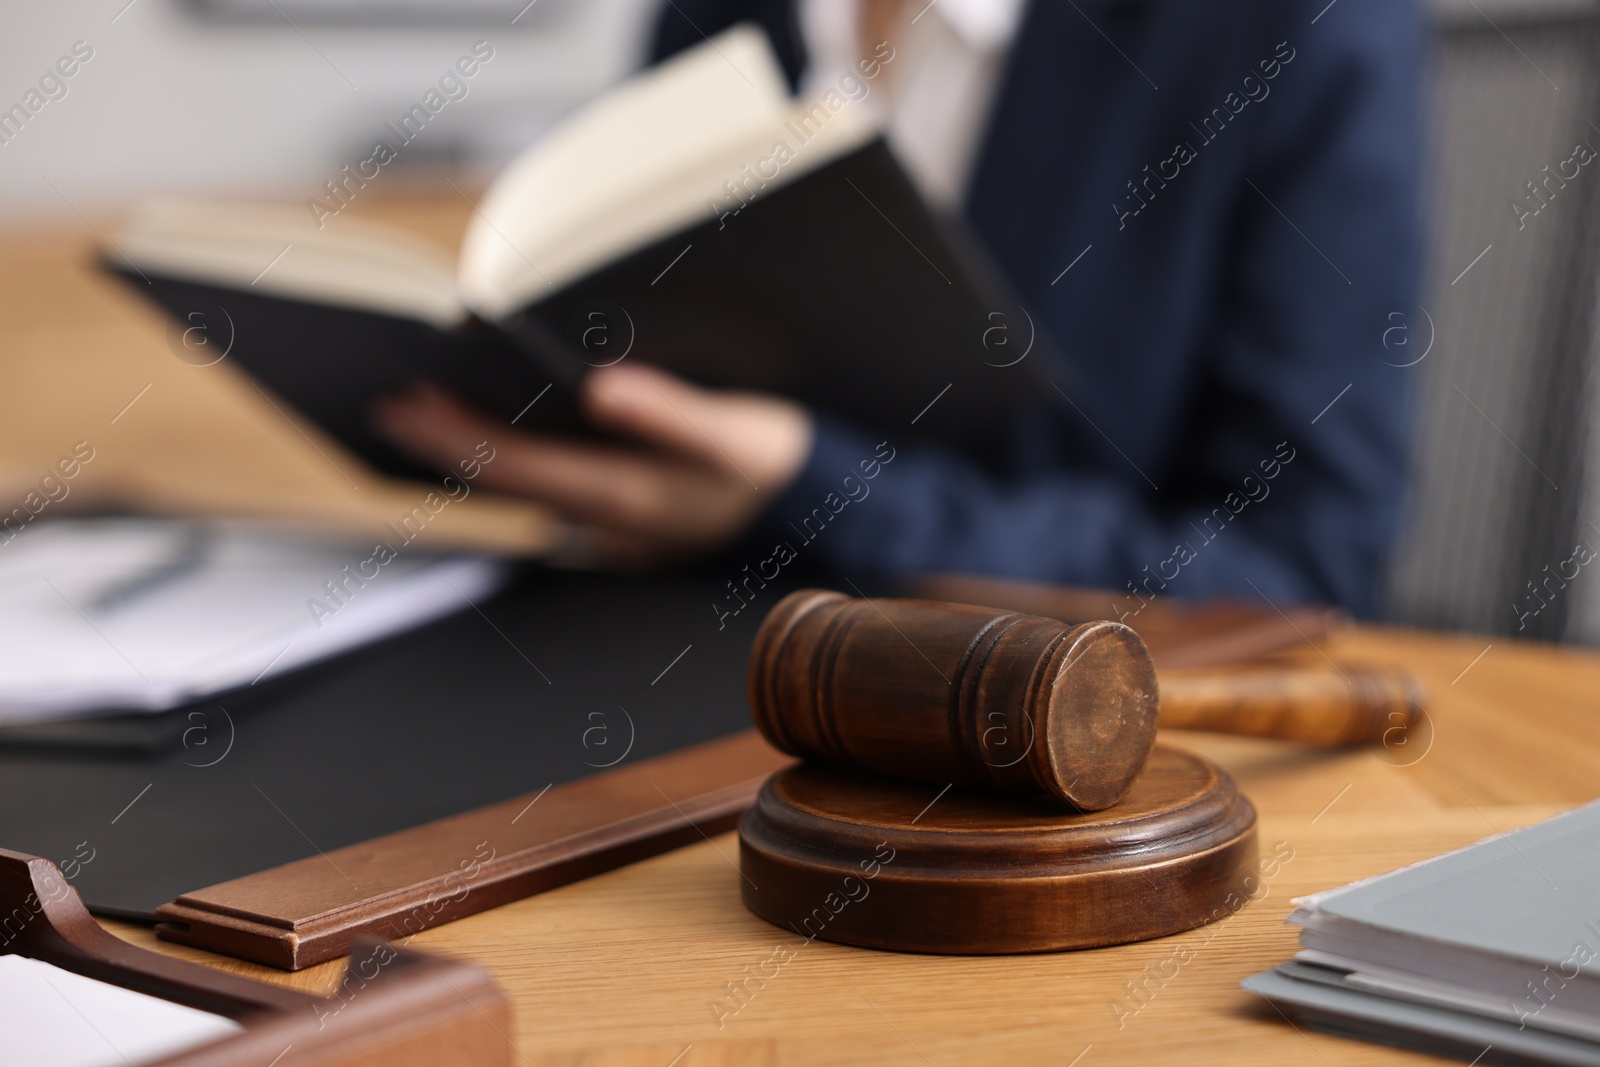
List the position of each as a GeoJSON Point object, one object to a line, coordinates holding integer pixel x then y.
{"type": "Point", "coordinates": [279, 251]}
{"type": "Point", "coordinates": [644, 160]}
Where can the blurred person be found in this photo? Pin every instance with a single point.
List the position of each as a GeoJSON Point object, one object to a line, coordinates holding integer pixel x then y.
{"type": "Point", "coordinates": [1212, 207]}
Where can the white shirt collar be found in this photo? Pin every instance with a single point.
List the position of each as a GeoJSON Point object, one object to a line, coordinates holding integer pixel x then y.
{"type": "Point", "coordinates": [829, 26]}
{"type": "Point", "coordinates": [984, 25]}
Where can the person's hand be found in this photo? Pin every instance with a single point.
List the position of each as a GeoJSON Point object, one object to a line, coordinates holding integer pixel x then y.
{"type": "Point", "coordinates": [705, 465]}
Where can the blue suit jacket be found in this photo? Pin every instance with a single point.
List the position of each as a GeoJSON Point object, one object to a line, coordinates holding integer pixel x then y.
{"type": "Point", "coordinates": [1236, 186]}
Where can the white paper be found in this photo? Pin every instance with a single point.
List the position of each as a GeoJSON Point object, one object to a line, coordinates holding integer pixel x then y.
{"type": "Point", "coordinates": [246, 608]}
{"type": "Point", "coordinates": [50, 1017]}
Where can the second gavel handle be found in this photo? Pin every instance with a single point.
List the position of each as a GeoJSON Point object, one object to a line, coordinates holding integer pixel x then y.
{"type": "Point", "coordinates": [1325, 706]}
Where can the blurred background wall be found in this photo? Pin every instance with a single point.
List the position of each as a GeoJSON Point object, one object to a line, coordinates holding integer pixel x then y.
{"type": "Point", "coordinates": [272, 97]}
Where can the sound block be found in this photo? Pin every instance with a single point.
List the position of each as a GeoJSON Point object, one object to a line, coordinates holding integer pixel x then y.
{"type": "Point", "coordinates": [843, 856]}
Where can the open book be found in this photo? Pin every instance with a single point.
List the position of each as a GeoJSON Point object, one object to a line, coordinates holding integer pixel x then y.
{"type": "Point", "coordinates": [695, 217]}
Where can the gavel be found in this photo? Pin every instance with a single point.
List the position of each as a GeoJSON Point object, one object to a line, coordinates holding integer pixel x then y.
{"type": "Point", "coordinates": [998, 700]}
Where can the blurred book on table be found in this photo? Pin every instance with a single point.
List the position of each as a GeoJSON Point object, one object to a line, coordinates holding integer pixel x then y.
{"type": "Point", "coordinates": [135, 614]}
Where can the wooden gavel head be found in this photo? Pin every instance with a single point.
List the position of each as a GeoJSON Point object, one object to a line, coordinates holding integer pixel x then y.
{"type": "Point", "coordinates": [955, 694]}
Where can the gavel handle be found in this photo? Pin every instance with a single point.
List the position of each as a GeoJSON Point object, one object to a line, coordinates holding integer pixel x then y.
{"type": "Point", "coordinates": [1344, 706]}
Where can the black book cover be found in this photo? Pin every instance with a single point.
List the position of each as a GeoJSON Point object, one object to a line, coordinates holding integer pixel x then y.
{"type": "Point", "coordinates": [840, 289]}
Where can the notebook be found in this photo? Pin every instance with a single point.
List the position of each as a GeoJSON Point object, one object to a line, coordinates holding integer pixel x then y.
{"type": "Point", "coordinates": [1503, 934]}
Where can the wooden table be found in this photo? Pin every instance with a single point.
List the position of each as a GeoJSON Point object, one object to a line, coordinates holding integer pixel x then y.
{"type": "Point", "coordinates": [630, 967]}
{"type": "Point", "coordinates": [85, 359]}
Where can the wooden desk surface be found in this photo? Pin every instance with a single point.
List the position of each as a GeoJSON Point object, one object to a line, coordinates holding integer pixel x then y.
{"type": "Point", "coordinates": [86, 359]}
{"type": "Point", "coordinates": [627, 968]}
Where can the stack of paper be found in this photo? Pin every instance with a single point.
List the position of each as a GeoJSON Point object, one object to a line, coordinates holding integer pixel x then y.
{"type": "Point", "coordinates": [1491, 951]}
{"type": "Point", "coordinates": [122, 614]}
{"type": "Point", "coordinates": [51, 1017]}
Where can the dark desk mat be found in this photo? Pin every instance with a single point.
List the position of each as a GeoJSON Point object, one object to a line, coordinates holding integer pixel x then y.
{"type": "Point", "coordinates": [542, 684]}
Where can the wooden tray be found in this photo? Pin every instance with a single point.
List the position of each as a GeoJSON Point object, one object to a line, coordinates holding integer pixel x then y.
{"type": "Point", "coordinates": [395, 1007]}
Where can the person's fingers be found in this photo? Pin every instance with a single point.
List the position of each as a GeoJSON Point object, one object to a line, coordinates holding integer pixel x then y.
{"type": "Point", "coordinates": [432, 425]}
{"type": "Point", "coordinates": [657, 407]}
{"type": "Point", "coordinates": [607, 486]}
{"type": "Point", "coordinates": [758, 439]}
